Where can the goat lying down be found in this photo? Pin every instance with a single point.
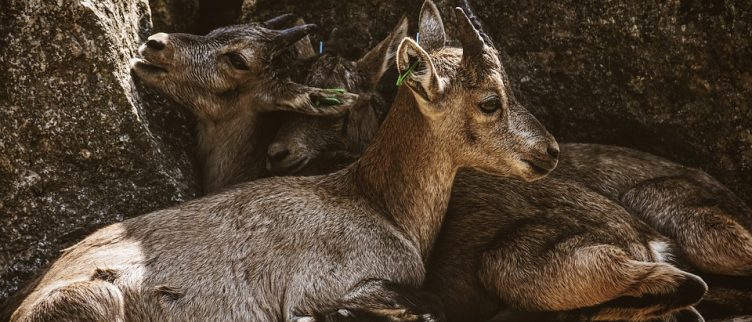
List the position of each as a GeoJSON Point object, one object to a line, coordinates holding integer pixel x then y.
{"type": "Point", "coordinates": [576, 249]}
{"type": "Point", "coordinates": [232, 80]}
{"type": "Point", "coordinates": [301, 248]}
{"type": "Point", "coordinates": [571, 250]}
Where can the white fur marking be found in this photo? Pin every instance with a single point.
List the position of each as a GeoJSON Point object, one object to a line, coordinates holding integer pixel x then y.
{"type": "Point", "coordinates": [661, 251]}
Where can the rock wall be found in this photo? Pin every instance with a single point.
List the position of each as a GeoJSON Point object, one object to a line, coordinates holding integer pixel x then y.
{"type": "Point", "coordinates": [175, 15]}
{"type": "Point", "coordinates": [81, 145]}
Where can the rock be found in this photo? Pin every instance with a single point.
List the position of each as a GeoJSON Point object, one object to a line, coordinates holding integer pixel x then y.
{"type": "Point", "coordinates": [218, 13]}
{"type": "Point", "coordinates": [672, 78]}
{"type": "Point", "coordinates": [366, 21]}
{"type": "Point", "coordinates": [81, 145]}
{"type": "Point", "coordinates": [175, 15]}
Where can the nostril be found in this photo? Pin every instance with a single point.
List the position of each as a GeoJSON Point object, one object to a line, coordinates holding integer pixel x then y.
{"type": "Point", "coordinates": [553, 151]}
{"type": "Point", "coordinates": [277, 153]}
{"type": "Point", "coordinates": [155, 44]}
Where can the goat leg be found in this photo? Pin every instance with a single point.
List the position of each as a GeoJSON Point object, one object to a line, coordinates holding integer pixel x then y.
{"type": "Point", "coordinates": [377, 300]}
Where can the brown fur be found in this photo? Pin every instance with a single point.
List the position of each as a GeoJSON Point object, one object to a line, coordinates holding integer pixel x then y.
{"type": "Point", "coordinates": [610, 249]}
{"type": "Point", "coordinates": [550, 245]}
{"type": "Point", "coordinates": [231, 102]}
{"type": "Point", "coordinates": [284, 248]}
{"type": "Point", "coordinates": [702, 216]}
{"type": "Point", "coordinates": [288, 155]}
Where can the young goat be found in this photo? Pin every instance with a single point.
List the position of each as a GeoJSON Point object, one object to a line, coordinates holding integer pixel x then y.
{"type": "Point", "coordinates": [290, 152]}
{"type": "Point", "coordinates": [696, 211]}
{"type": "Point", "coordinates": [553, 245]}
{"type": "Point", "coordinates": [701, 215]}
{"type": "Point", "coordinates": [229, 82]}
{"type": "Point", "coordinates": [282, 248]}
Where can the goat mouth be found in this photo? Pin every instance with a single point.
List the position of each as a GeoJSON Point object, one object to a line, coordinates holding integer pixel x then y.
{"type": "Point", "coordinates": [143, 65]}
{"type": "Point", "coordinates": [282, 168]}
{"type": "Point", "coordinates": [540, 167]}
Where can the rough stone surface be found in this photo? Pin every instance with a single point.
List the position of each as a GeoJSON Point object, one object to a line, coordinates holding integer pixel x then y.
{"type": "Point", "coordinates": [81, 145]}
{"type": "Point", "coordinates": [174, 15]}
{"type": "Point", "coordinates": [673, 78]}
{"type": "Point", "coordinates": [368, 21]}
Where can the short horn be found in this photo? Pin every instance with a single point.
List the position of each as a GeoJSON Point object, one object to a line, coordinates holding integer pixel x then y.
{"type": "Point", "coordinates": [472, 42]}
{"type": "Point", "coordinates": [465, 5]}
{"type": "Point", "coordinates": [279, 21]}
{"type": "Point", "coordinates": [289, 36]}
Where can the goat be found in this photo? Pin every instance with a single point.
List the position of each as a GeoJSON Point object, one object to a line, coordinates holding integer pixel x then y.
{"type": "Point", "coordinates": [307, 132]}
{"type": "Point", "coordinates": [553, 245]}
{"type": "Point", "coordinates": [357, 125]}
{"type": "Point", "coordinates": [696, 211]}
{"type": "Point", "coordinates": [701, 215]}
{"type": "Point", "coordinates": [282, 248]}
{"type": "Point", "coordinates": [228, 81]}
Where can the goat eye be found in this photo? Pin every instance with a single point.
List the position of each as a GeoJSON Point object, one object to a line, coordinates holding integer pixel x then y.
{"type": "Point", "coordinates": [237, 61]}
{"type": "Point", "coordinates": [490, 105]}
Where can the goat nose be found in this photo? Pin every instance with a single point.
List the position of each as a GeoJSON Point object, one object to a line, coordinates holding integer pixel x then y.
{"type": "Point", "coordinates": [157, 41]}
{"type": "Point", "coordinates": [553, 151]}
{"type": "Point", "coordinates": [277, 152]}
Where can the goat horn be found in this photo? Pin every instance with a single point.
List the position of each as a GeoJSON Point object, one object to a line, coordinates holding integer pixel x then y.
{"type": "Point", "coordinates": [472, 42]}
{"type": "Point", "coordinates": [279, 21]}
{"type": "Point", "coordinates": [290, 35]}
{"type": "Point", "coordinates": [465, 4]}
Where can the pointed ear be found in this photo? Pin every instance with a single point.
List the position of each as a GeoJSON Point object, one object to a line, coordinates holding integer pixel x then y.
{"type": "Point", "coordinates": [376, 62]}
{"type": "Point", "coordinates": [417, 71]}
{"type": "Point", "coordinates": [430, 27]}
{"type": "Point", "coordinates": [293, 97]}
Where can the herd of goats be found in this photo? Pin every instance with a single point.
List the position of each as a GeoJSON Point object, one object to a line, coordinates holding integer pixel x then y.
{"type": "Point", "coordinates": [441, 206]}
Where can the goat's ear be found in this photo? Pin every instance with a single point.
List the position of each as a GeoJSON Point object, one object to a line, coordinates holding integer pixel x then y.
{"type": "Point", "coordinates": [378, 60]}
{"type": "Point", "coordinates": [312, 100]}
{"type": "Point", "coordinates": [430, 27]}
{"type": "Point", "coordinates": [417, 71]}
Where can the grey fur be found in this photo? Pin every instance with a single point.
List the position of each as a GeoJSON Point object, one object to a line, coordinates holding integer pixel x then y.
{"type": "Point", "coordinates": [231, 103]}
{"type": "Point", "coordinates": [284, 248]}
{"type": "Point", "coordinates": [618, 178]}
{"type": "Point", "coordinates": [551, 245]}
{"type": "Point", "coordinates": [696, 211]}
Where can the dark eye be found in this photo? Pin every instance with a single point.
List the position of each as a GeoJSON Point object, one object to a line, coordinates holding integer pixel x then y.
{"type": "Point", "coordinates": [490, 105]}
{"type": "Point", "coordinates": [237, 61]}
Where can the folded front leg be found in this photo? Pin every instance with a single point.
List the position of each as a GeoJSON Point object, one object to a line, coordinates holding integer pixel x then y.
{"type": "Point", "coordinates": [377, 300]}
